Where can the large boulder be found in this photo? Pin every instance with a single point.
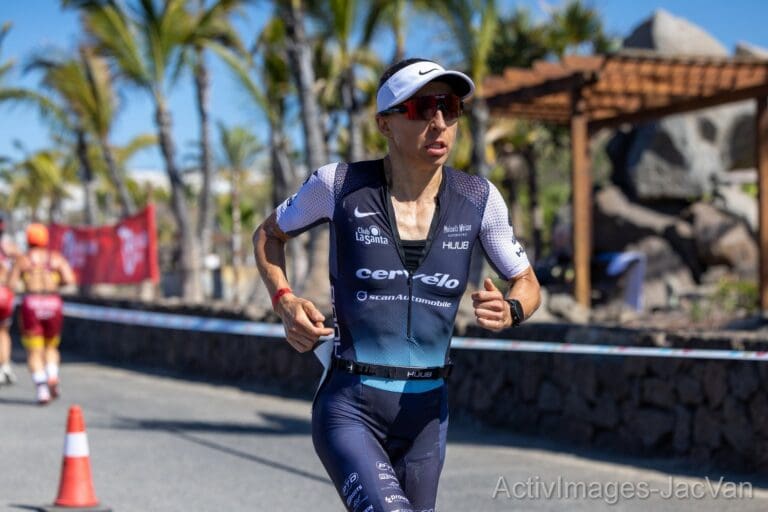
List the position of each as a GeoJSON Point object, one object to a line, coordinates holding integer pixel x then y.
{"type": "Point", "coordinates": [751, 51]}
{"type": "Point", "coordinates": [731, 198]}
{"type": "Point", "coordinates": [670, 35]}
{"type": "Point", "coordinates": [620, 224]}
{"type": "Point", "coordinates": [680, 157]}
{"type": "Point", "coordinates": [667, 275]}
{"type": "Point", "coordinates": [677, 157]}
{"type": "Point", "coordinates": [723, 240]}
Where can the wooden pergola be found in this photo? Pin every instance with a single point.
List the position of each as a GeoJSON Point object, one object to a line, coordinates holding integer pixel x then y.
{"type": "Point", "coordinates": [594, 92]}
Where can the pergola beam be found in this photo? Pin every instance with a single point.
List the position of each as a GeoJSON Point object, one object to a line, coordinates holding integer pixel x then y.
{"type": "Point", "coordinates": [581, 176]}
{"type": "Point", "coordinates": [527, 94]}
{"type": "Point", "coordinates": [761, 160]}
{"type": "Point", "coordinates": [681, 107]}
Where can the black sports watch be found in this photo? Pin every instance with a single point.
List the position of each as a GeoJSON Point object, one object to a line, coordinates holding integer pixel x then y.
{"type": "Point", "coordinates": [518, 315]}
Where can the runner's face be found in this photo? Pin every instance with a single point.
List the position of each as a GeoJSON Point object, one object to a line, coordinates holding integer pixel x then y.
{"type": "Point", "coordinates": [421, 144]}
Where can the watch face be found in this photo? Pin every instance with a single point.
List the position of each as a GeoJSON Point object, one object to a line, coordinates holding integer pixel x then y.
{"type": "Point", "coordinates": [517, 311]}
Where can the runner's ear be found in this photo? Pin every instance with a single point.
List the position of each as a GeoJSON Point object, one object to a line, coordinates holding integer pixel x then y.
{"type": "Point", "coordinates": [382, 123]}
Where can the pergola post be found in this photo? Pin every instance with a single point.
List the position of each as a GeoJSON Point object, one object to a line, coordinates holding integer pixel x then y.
{"type": "Point", "coordinates": [581, 177]}
{"type": "Point", "coordinates": [761, 161]}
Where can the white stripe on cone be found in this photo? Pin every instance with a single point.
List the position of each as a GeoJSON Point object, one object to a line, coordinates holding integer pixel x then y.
{"type": "Point", "coordinates": [76, 445]}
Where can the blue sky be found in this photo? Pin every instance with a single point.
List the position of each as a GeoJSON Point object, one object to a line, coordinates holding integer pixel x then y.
{"type": "Point", "coordinates": [41, 24]}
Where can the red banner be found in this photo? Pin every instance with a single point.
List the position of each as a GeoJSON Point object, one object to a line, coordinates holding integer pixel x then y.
{"type": "Point", "coordinates": [120, 254]}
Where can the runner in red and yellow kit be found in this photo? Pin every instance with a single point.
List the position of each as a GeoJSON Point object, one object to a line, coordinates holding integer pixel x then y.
{"type": "Point", "coordinates": [8, 251]}
{"type": "Point", "coordinates": [42, 271]}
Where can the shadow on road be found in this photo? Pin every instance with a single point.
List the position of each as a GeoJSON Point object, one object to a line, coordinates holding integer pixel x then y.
{"type": "Point", "coordinates": [281, 425]}
{"type": "Point", "coordinates": [271, 424]}
{"type": "Point", "coordinates": [18, 401]}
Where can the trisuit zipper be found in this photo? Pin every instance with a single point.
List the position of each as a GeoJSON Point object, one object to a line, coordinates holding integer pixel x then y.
{"type": "Point", "coordinates": [410, 300]}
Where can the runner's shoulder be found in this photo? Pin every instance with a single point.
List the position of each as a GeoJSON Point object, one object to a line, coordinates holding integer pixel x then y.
{"type": "Point", "coordinates": [474, 188]}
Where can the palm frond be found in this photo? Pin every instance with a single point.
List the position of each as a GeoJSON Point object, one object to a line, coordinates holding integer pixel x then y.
{"type": "Point", "coordinates": [241, 68]}
{"type": "Point", "coordinates": [114, 33]}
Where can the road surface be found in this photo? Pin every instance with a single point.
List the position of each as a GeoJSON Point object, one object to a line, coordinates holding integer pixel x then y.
{"type": "Point", "coordinates": [163, 443]}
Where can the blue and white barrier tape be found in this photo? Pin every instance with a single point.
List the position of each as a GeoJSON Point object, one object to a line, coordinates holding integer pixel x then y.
{"type": "Point", "coordinates": [207, 324]}
{"type": "Point", "coordinates": [614, 350]}
{"type": "Point", "coordinates": [172, 321]}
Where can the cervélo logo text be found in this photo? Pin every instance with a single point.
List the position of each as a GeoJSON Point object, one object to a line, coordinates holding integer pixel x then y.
{"type": "Point", "coordinates": [437, 279]}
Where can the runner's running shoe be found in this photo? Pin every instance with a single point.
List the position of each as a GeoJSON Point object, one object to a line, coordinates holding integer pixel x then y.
{"type": "Point", "coordinates": [43, 394]}
{"type": "Point", "coordinates": [53, 387]}
{"type": "Point", "coordinates": [9, 377]}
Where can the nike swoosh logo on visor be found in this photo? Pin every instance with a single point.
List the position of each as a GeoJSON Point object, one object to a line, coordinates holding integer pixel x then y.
{"type": "Point", "coordinates": [361, 215]}
{"type": "Point", "coordinates": [429, 71]}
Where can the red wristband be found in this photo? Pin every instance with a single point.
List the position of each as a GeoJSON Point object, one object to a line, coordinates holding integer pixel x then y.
{"type": "Point", "coordinates": [279, 293]}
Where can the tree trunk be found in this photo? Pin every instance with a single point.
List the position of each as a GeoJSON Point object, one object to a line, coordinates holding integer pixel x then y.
{"type": "Point", "coordinates": [237, 232]}
{"type": "Point", "coordinates": [123, 196]}
{"type": "Point", "coordinates": [355, 152]}
{"type": "Point", "coordinates": [237, 228]}
{"type": "Point", "coordinates": [284, 183]}
{"type": "Point", "coordinates": [300, 55]}
{"type": "Point", "coordinates": [205, 214]}
{"type": "Point", "coordinates": [399, 29]}
{"type": "Point", "coordinates": [315, 285]}
{"type": "Point", "coordinates": [537, 220]}
{"type": "Point", "coordinates": [89, 186]}
{"type": "Point", "coordinates": [478, 120]}
{"type": "Point", "coordinates": [189, 249]}
{"type": "Point", "coordinates": [284, 180]}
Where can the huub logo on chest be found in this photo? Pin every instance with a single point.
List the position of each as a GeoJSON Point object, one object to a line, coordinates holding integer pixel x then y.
{"type": "Point", "coordinates": [456, 245]}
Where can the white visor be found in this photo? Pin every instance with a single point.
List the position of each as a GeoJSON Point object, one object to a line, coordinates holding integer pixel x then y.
{"type": "Point", "coordinates": [404, 84]}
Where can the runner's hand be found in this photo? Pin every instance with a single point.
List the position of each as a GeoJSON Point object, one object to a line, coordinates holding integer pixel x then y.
{"type": "Point", "coordinates": [302, 321]}
{"type": "Point", "coordinates": [491, 310]}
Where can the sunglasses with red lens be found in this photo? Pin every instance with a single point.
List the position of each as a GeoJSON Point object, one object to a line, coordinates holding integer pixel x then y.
{"type": "Point", "coordinates": [424, 108]}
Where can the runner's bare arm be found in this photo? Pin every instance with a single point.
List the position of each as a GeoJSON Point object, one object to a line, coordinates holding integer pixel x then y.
{"type": "Point", "coordinates": [15, 276]}
{"type": "Point", "coordinates": [269, 251]}
{"type": "Point", "coordinates": [491, 309]}
{"type": "Point", "coordinates": [65, 270]}
{"type": "Point", "coordinates": [525, 287]}
{"type": "Point", "coordinates": [303, 322]}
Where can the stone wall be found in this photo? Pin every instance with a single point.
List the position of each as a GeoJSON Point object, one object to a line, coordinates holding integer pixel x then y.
{"type": "Point", "coordinates": [706, 411]}
{"type": "Point", "coordinates": [710, 412]}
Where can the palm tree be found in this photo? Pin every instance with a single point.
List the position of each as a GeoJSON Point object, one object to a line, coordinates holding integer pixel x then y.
{"type": "Point", "coordinates": [57, 116]}
{"type": "Point", "coordinates": [40, 180]}
{"type": "Point", "coordinates": [472, 24]}
{"type": "Point", "coordinates": [105, 188]}
{"type": "Point", "coordinates": [240, 148]}
{"type": "Point", "coordinates": [519, 42]}
{"type": "Point", "coordinates": [338, 20]}
{"type": "Point", "coordinates": [299, 50]}
{"type": "Point", "coordinates": [273, 72]}
{"type": "Point", "coordinates": [212, 27]}
{"type": "Point", "coordinates": [84, 85]}
{"type": "Point", "coordinates": [9, 93]}
{"type": "Point", "coordinates": [574, 25]}
{"type": "Point", "coordinates": [387, 12]}
{"type": "Point", "coordinates": [267, 85]}
{"type": "Point", "coordinates": [145, 45]}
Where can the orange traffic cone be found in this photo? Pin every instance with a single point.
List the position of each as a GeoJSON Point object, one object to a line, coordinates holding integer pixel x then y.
{"type": "Point", "coordinates": [76, 485]}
